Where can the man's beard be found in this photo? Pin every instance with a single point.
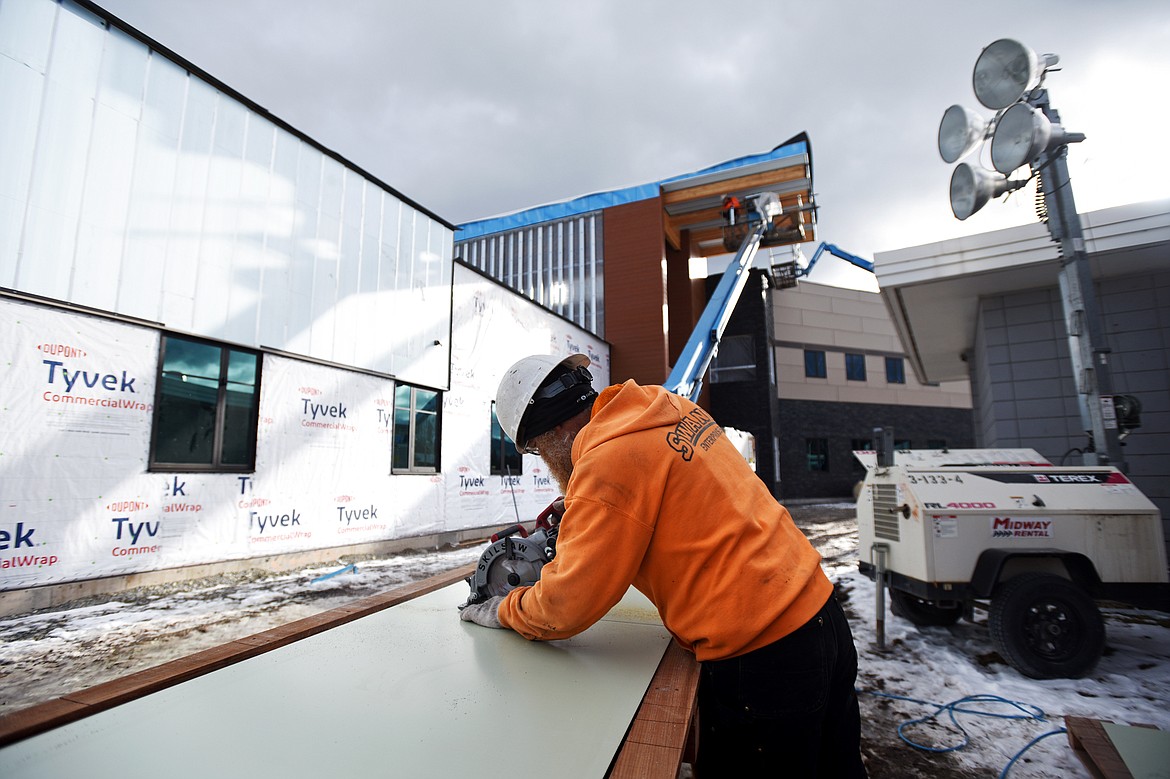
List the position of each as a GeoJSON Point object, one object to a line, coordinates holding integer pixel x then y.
{"type": "Point", "coordinates": [557, 453]}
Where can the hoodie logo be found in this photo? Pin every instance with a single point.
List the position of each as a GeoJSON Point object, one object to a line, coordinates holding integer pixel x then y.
{"type": "Point", "coordinates": [696, 431]}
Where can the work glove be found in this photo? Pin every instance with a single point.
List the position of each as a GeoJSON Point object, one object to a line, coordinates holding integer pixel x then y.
{"type": "Point", "coordinates": [483, 613]}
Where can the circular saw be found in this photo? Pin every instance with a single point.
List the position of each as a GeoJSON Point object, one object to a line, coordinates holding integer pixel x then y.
{"type": "Point", "coordinates": [514, 556]}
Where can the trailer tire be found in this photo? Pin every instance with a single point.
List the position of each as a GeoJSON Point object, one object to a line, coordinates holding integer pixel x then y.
{"type": "Point", "coordinates": [923, 613]}
{"type": "Point", "coordinates": [1046, 626]}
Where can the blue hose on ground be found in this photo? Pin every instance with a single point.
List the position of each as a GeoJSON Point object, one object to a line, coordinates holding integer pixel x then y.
{"type": "Point", "coordinates": [1003, 774]}
{"type": "Point", "coordinates": [350, 567]}
{"type": "Point", "coordinates": [1025, 711]}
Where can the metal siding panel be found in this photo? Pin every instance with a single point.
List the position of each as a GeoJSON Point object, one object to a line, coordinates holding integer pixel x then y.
{"type": "Point", "coordinates": [279, 240]}
{"type": "Point", "coordinates": [347, 329]}
{"type": "Point", "coordinates": [326, 259]}
{"type": "Point", "coordinates": [62, 148]}
{"type": "Point", "coordinates": [156, 170]}
{"type": "Point", "coordinates": [18, 137]}
{"type": "Point", "coordinates": [220, 217]}
{"type": "Point", "coordinates": [26, 33]}
{"type": "Point", "coordinates": [105, 207]}
{"type": "Point", "coordinates": [128, 184]}
{"type": "Point", "coordinates": [249, 258]}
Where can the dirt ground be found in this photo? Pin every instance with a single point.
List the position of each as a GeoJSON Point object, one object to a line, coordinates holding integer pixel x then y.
{"type": "Point", "coordinates": [57, 657]}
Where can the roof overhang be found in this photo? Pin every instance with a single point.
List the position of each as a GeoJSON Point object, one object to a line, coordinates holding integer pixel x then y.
{"type": "Point", "coordinates": [695, 204]}
{"type": "Point", "coordinates": [932, 292]}
{"type": "Point", "coordinates": [691, 201]}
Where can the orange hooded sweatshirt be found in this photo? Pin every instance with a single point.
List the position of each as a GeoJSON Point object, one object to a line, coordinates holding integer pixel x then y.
{"type": "Point", "coordinates": [659, 498]}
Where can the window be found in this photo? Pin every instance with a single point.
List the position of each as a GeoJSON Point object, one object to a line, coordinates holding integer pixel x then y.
{"type": "Point", "coordinates": [814, 364]}
{"type": "Point", "coordinates": [936, 443]}
{"type": "Point", "coordinates": [505, 460]}
{"type": "Point", "coordinates": [855, 367]}
{"type": "Point", "coordinates": [895, 370]}
{"type": "Point", "coordinates": [205, 407]}
{"type": "Point", "coordinates": [416, 430]}
{"type": "Point", "coordinates": [902, 445]}
{"type": "Point", "coordinates": [735, 360]}
{"type": "Point", "coordinates": [817, 453]}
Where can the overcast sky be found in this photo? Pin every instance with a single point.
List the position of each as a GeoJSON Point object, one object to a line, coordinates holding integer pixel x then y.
{"type": "Point", "coordinates": [479, 107]}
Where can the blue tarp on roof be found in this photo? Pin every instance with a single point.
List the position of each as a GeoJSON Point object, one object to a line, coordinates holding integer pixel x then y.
{"type": "Point", "coordinates": [599, 200]}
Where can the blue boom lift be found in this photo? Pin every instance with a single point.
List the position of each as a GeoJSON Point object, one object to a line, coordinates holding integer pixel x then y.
{"type": "Point", "coordinates": [759, 229]}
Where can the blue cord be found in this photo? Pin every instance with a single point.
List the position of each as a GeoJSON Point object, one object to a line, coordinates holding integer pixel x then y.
{"type": "Point", "coordinates": [1028, 746]}
{"type": "Point", "coordinates": [954, 708]}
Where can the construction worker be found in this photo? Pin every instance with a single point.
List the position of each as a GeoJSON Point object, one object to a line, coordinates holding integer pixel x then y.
{"type": "Point", "coordinates": [730, 205]}
{"type": "Point", "coordinates": [656, 496]}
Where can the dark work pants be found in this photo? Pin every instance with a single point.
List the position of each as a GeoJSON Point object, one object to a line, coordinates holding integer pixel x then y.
{"type": "Point", "coordinates": [786, 709]}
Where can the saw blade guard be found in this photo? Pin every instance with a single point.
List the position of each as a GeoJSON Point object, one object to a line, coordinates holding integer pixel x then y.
{"type": "Point", "coordinates": [514, 558]}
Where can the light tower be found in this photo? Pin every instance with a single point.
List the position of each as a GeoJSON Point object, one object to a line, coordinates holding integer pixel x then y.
{"type": "Point", "coordinates": [1026, 131]}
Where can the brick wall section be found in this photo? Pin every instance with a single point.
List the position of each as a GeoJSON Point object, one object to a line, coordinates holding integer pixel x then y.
{"type": "Point", "coordinates": [683, 308]}
{"type": "Point", "coordinates": [635, 292]}
{"type": "Point", "coordinates": [841, 423]}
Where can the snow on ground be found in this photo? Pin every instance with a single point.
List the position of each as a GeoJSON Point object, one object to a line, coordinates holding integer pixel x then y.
{"type": "Point", "coordinates": [47, 654]}
{"type": "Point", "coordinates": [1130, 685]}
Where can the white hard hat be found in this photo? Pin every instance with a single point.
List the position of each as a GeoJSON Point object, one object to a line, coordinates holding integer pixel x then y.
{"type": "Point", "coordinates": [518, 388]}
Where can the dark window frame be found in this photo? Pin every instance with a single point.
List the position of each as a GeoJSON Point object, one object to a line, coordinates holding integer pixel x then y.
{"type": "Point", "coordinates": [855, 367]}
{"type": "Point", "coordinates": [816, 461]}
{"type": "Point", "coordinates": [414, 410]}
{"type": "Point", "coordinates": [504, 460]}
{"type": "Point", "coordinates": [895, 370]}
{"type": "Point", "coordinates": [160, 415]}
{"type": "Point", "coordinates": [815, 365]}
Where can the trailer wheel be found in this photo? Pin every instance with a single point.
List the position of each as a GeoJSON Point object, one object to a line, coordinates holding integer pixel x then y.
{"type": "Point", "coordinates": [923, 613]}
{"type": "Point", "coordinates": [1046, 626]}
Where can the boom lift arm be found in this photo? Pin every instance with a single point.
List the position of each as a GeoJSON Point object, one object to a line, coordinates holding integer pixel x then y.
{"type": "Point", "coordinates": [838, 252]}
{"type": "Point", "coordinates": [686, 377]}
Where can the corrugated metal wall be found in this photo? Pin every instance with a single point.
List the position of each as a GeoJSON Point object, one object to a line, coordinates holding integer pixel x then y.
{"type": "Point", "coordinates": [558, 264]}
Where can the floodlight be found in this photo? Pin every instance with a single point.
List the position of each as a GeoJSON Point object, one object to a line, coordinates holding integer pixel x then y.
{"type": "Point", "coordinates": [1129, 414]}
{"type": "Point", "coordinates": [1006, 70]}
{"type": "Point", "coordinates": [1022, 134]}
{"type": "Point", "coordinates": [972, 187]}
{"type": "Point", "coordinates": [959, 133]}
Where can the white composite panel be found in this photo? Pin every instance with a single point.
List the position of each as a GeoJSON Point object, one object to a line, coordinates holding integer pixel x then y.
{"type": "Point", "coordinates": [129, 184]}
{"type": "Point", "coordinates": [408, 692]}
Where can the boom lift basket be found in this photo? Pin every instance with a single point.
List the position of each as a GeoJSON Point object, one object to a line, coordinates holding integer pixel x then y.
{"type": "Point", "coordinates": [777, 235]}
{"type": "Point", "coordinates": [784, 275]}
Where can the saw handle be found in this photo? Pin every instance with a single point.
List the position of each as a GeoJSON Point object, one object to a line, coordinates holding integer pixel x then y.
{"type": "Point", "coordinates": [509, 531]}
{"type": "Point", "coordinates": [556, 510]}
